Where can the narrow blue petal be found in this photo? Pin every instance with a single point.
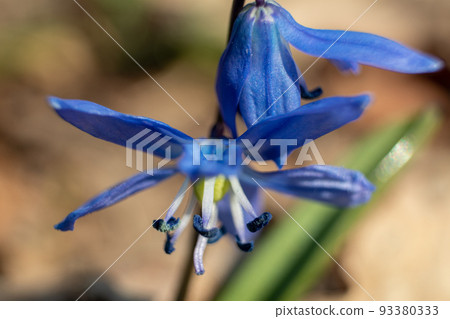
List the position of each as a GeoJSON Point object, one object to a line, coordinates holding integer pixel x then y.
{"type": "Point", "coordinates": [328, 184]}
{"type": "Point", "coordinates": [305, 123]}
{"type": "Point", "coordinates": [140, 132]}
{"type": "Point", "coordinates": [115, 194]}
{"type": "Point", "coordinates": [272, 86]}
{"type": "Point", "coordinates": [234, 67]}
{"type": "Point", "coordinates": [354, 47]}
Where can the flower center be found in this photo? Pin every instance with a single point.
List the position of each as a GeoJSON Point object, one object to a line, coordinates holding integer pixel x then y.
{"type": "Point", "coordinates": [221, 187]}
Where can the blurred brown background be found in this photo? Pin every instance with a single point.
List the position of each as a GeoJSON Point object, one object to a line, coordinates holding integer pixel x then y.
{"type": "Point", "coordinates": [48, 168]}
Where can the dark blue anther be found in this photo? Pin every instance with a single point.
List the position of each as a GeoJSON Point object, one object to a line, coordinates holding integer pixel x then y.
{"type": "Point", "coordinates": [158, 224]}
{"type": "Point", "coordinates": [246, 247]}
{"type": "Point", "coordinates": [164, 227]}
{"type": "Point", "coordinates": [172, 223]}
{"type": "Point", "coordinates": [198, 226]}
{"type": "Point", "coordinates": [259, 222]}
{"type": "Point", "coordinates": [309, 95]}
{"type": "Point", "coordinates": [222, 231]}
{"type": "Point", "coordinates": [168, 247]}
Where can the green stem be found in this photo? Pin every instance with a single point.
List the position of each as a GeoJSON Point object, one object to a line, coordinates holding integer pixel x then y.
{"type": "Point", "coordinates": [218, 129]}
{"type": "Point", "coordinates": [237, 7]}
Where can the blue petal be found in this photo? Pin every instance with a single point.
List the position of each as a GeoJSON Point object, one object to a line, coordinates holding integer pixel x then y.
{"type": "Point", "coordinates": [254, 195]}
{"type": "Point", "coordinates": [115, 194]}
{"type": "Point", "coordinates": [354, 47]}
{"type": "Point", "coordinates": [272, 87]}
{"type": "Point", "coordinates": [307, 122]}
{"type": "Point", "coordinates": [119, 128]}
{"type": "Point", "coordinates": [234, 67]}
{"type": "Point", "coordinates": [332, 185]}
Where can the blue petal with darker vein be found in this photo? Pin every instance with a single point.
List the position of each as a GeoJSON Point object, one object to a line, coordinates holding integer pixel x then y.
{"type": "Point", "coordinates": [305, 123]}
{"type": "Point", "coordinates": [351, 47]}
{"type": "Point", "coordinates": [115, 194]}
{"type": "Point", "coordinates": [272, 86]}
{"type": "Point", "coordinates": [234, 67]}
{"type": "Point", "coordinates": [337, 186]}
{"type": "Point", "coordinates": [123, 129]}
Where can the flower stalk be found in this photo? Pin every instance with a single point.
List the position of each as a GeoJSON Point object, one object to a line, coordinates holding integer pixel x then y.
{"type": "Point", "coordinates": [217, 131]}
{"type": "Point", "coordinates": [235, 10]}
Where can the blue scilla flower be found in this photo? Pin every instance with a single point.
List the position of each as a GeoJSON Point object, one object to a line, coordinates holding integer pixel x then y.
{"type": "Point", "coordinates": [257, 75]}
{"type": "Point", "coordinates": [226, 189]}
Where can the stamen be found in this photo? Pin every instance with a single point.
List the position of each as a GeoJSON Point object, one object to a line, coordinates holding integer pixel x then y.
{"type": "Point", "coordinates": [239, 223]}
{"type": "Point", "coordinates": [178, 199]}
{"type": "Point", "coordinates": [168, 247]}
{"type": "Point", "coordinates": [309, 95]}
{"type": "Point", "coordinates": [242, 198]}
{"type": "Point", "coordinates": [198, 255]}
{"type": "Point", "coordinates": [198, 226]}
{"type": "Point", "coordinates": [208, 199]}
{"type": "Point", "coordinates": [259, 222]}
{"type": "Point", "coordinates": [169, 223]}
{"type": "Point", "coordinates": [185, 220]}
{"type": "Point", "coordinates": [164, 227]}
{"type": "Point", "coordinates": [203, 241]}
{"type": "Point", "coordinates": [246, 247]}
{"type": "Point", "coordinates": [222, 231]}
{"type": "Point", "coordinates": [238, 216]}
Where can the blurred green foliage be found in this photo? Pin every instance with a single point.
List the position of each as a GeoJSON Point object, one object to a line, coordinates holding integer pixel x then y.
{"type": "Point", "coordinates": [155, 37]}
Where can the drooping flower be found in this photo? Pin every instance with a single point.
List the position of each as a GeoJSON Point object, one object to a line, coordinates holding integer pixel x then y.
{"type": "Point", "coordinates": [258, 77]}
{"type": "Point", "coordinates": [226, 189]}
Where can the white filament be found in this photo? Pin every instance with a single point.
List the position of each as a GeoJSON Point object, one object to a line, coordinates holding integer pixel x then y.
{"type": "Point", "coordinates": [203, 241]}
{"type": "Point", "coordinates": [240, 195]}
{"type": "Point", "coordinates": [186, 218]}
{"type": "Point", "coordinates": [238, 217]}
{"type": "Point", "coordinates": [208, 200]}
{"type": "Point", "coordinates": [178, 199]}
